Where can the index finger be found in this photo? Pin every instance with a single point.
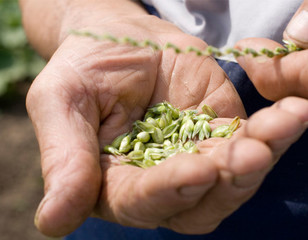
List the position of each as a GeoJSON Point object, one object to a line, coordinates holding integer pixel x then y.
{"type": "Point", "coordinates": [275, 77]}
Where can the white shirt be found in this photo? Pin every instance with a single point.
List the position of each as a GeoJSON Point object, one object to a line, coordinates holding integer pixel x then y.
{"type": "Point", "coordinates": [222, 23]}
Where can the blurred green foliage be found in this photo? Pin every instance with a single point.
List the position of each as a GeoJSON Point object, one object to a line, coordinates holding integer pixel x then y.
{"type": "Point", "coordinates": [18, 61]}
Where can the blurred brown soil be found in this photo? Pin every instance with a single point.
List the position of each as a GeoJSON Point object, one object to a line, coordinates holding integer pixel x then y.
{"type": "Point", "coordinates": [21, 185]}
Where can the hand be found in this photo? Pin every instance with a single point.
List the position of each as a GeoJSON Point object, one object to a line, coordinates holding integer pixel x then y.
{"type": "Point", "coordinates": [193, 193]}
{"type": "Point", "coordinates": [91, 92]}
{"type": "Point", "coordinates": [279, 77]}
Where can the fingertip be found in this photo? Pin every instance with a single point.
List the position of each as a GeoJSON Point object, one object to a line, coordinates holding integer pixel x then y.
{"type": "Point", "coordinates": [59, 215]}
{"type": "Point", "coordinates": [51, 219]}
{"type": "Point", "coordinates": [298, 43]}
{"type": "Point", "coordinates": [296, 30]}
{"type": "Point", "coordinates": [72, 193]}
{"type": "Point", "coordinates": [248, 156]}
{"type": "Point", "coordinates": [278, 126]}
{"type": "Point", "coordinates": [249, 162]}
{"type": "Point", "coordinates": [295, 106]}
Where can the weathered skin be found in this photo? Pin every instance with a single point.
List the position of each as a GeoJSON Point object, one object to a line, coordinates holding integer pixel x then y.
{"type": "Point", "coordinates": [91, 92]}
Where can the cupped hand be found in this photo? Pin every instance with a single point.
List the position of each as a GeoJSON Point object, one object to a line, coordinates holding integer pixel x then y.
{"type": "Point", "coordinates": [91, 91]}
{"type": "Point", "coordinates": [279, 77]}
{"type": "Point", "coordinates": [193, 193]}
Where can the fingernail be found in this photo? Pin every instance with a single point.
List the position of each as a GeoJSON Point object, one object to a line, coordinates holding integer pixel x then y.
{"type": "Point", "coordinates": [249, 180]}
{"type": "Point", "coordinates": [298, 27]}
{"type": "Point", "coordinates": [194, 191]}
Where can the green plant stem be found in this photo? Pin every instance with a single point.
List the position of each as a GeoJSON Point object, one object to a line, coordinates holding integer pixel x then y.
{"type": "Point", "coordinates": [288, 48]}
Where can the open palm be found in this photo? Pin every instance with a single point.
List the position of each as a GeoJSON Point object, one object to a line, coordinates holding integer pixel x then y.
{"type": "Point", "coordinates": [91, 92]}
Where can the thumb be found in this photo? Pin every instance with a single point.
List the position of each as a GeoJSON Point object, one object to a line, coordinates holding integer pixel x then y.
{"type": "Point", "coordinates": [69, 158]}
{"type": "Point", "coordinates": [297, 29]}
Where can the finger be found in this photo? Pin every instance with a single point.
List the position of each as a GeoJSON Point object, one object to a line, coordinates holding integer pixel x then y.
{"type": "Point", "coordinates": [69, 154]}
{"type": "Point", "coordinates": [297, 28]}
{"type": "Point", "coordinates": [288, 119]}
{"type": "Point", "coordinates": [142, 198]}
{"type": "Point", "coordinates": [276, 77]}
{"type": "Point", "coordinates": [244, 163]}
